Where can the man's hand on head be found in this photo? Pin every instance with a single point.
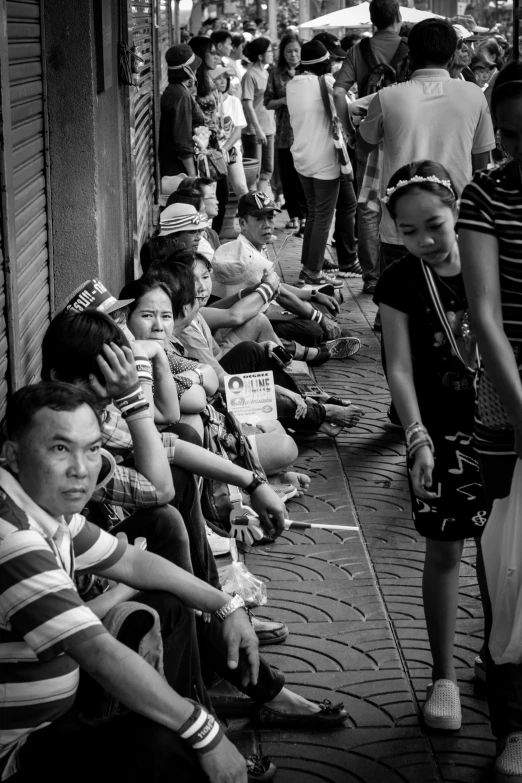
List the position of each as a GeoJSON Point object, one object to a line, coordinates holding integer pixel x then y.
{"type": "Point", "coordinates": [118, 369]}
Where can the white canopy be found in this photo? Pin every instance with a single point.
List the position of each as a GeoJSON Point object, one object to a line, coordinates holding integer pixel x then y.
{"type": "Point", "coordinates": [359, 16]}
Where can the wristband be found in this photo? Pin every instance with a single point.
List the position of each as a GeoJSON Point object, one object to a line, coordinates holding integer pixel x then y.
{"type": "Point", "coordinates": [316, 316]}
{"type": "Point", "coordinates": [201, 379]}
{"type": "Point", "coordinates": [266, 292]}
{"type": "Point", "coordinates": [202, 732]}
{"type": "Point", "coordinates": [239, 294]}
{"type": "Point", "coordinates": [314, 295]}
{"type": "Point", "coordinates": [133, 401]}
{"type": "Point", "coordinates": [144, 369]}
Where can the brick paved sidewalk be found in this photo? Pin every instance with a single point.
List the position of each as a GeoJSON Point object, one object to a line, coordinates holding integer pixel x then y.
{"type": "Point", "coordinates": [353, 603]}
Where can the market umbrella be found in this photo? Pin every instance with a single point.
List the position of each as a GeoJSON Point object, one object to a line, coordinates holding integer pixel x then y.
{"type": "Point", "coordinates": [359, 16]}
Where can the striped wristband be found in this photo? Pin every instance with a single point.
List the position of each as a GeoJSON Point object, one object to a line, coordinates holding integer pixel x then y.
{"type": "Point", "coordinates": [265, 291]}
{"type": "Point", "coordinates": [202, 732]}
{"type": "Point", "coordinates": [316, 316]}
{"type": "Point", "coordinates": [133, 401]}
{"type": "Point", "coordinates": [144, 369]}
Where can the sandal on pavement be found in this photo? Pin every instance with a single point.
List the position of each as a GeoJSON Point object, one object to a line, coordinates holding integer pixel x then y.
{"type": "Point", "coordinates": [330, 266]}
{"type": "Point", "coordinates": [284, 491]}
{"type": "Point", "coordinates": [329, 717]}
{"type": "Point", "coordinates": [442, 706]}
{"type": "Point", "coordinates": [508, 765]}
{"type": "Point", "coordinates": [260, 768]}
{"type": "Point", "coordinates": [321, 358]}
{"type": "Point", "coordinates": [343, 347]}
{"type": "Point", "coordinates": [354, 270]}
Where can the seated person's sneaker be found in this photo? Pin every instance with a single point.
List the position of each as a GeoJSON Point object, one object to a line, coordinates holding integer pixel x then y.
{"type": "Point", "coordinates": [220, 545]}
{"type": "Point", "coordinates": [343, 347]}
{"type": "Point", "coordinates": [316, 282]}
{"type": "Point", "coordinates": [442, 707]}
{"type": "Point", "coordinates": [508, 765]}
{"type": "Point", "coordinates": [269, 632]}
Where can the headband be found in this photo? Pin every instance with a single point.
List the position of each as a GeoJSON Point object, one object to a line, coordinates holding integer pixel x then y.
{"type": "Point", "coordinates": [187, 62]}
{"type": "Point", "coordinates": [403, 182]}
{"type": "Point", "coordinates": [319, 60]}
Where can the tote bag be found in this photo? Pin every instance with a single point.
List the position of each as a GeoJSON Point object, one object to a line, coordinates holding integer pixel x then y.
{"type": "Point", "coordinates": [502, 551]}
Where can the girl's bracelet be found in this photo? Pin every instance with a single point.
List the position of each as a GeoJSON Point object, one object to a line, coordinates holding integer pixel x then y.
{"type": "Point", "coordinates": [132, 401]}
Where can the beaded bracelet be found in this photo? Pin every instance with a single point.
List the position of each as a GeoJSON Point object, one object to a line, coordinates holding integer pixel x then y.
{"type": "Point", "coordinates": [144, 370]}
{"type": "Point", "coordinates": [202, 732]}
{"type": "Point", "coordinates": [419, 443]}
{"type": "Point", "coordinates": [133, 401]}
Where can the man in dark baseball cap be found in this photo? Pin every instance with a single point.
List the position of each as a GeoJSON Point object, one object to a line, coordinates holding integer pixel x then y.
{"type": "Point", "coordinates": [256, 204]}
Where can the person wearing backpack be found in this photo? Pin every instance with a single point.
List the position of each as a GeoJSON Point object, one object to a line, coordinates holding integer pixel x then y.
{"type": "Point", "coordinates": [429, 117]}
{"type": "Point", "coordinates": [371, 64]}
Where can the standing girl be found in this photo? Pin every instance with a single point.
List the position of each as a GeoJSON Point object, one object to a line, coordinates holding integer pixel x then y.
{"type": "Point", "coordinates": [258, 136]}
{"type": "Point", "coordinates": [430, 357]}
{"type": "Point", "coordinates": [275, 98]}
{"type": "Point", "coordinates": [490, 227]}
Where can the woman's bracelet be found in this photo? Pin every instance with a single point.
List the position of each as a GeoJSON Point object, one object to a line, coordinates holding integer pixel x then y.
{"type": "Point", "coordinates": [202, 732]}
{"type": "Point", "coordinates": [201, 378]}
{"type": "Point", "coordinates": [144, 369]}
{"type": "Point", "coordinates": [419, 443]}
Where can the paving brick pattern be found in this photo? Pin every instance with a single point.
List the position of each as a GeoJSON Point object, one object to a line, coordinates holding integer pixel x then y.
{"type": "Point", "coordinates": [352, 600]}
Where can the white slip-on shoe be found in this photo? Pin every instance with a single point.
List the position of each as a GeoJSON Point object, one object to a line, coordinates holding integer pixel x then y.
{"type": "Point", "coordinates": [508, 765]}
{"type": "Point", "coordinates": [220, 545]}
{"type": "Point", "coordinates": [442, 706]}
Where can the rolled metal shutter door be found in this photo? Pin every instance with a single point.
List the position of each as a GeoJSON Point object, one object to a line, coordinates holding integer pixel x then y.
{"type": "Point", "coordinates": [143, 118]}
{"type": "Point", "coordinates": [4, 361]}
{"type": "Point", "coordinates": [164, 40]}
{"type": "Point", "coordinates": [30, 257]}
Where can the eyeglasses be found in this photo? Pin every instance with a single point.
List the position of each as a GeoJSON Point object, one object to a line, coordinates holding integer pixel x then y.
{"type": "Point", "coordinates": [461, 44]}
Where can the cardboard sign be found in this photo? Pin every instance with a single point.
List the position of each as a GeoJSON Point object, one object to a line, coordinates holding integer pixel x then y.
{"type": "Point", "coordinates": [251, 396]}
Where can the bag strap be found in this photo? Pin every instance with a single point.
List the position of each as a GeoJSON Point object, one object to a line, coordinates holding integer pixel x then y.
{"type": "Point", "coordinates": [435, 298]}
{"type": "Point", "coordinates": [369, 57]}
{"type": "Point", "coordinates": [402, 51]}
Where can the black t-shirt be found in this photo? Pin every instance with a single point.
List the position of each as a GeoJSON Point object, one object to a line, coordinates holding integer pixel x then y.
{"type": "Point", "coordinates": [403, 287]}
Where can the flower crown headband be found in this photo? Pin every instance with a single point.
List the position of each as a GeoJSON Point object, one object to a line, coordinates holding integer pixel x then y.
{"type": "Point", "coordinates": [403, 182]}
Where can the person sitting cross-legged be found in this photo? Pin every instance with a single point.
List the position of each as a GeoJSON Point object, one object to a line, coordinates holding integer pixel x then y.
{"type": "Point", "coordinates": [304, 315]}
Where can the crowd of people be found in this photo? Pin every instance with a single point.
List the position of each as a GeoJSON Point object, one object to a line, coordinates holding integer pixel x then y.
{"type": "Point", "coordinates": [121, 468]}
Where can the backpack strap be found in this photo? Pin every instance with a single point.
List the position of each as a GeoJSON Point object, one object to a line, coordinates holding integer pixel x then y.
{"type": "Point", "coordinates": [402, 52]}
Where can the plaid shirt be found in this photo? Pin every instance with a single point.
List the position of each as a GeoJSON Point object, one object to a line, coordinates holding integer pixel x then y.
{"type": "Point", "coordinates": [276, 88]}
{"type": "Point", "coordinates": [124, 486]}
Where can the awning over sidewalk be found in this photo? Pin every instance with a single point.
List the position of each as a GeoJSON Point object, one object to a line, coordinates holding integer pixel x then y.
{"type": "Point", "coordinates": [359, 16]}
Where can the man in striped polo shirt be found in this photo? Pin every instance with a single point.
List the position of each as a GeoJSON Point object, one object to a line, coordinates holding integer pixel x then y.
{"type": "Point", "coordinates": [52, 460]}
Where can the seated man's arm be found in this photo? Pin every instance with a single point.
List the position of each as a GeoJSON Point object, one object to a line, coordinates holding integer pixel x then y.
{"type": "Point", "coordinates": [240, 312]}
{"type": "Point", "coordinates": [371, 131]}
{"type": "Point", "coordinates": [134, 682]}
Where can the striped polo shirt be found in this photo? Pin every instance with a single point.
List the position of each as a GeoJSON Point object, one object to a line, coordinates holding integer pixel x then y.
{"type": "Point", "coordinates": [42, 616]}
{"type": "Point", "coordinates": [492, 204]}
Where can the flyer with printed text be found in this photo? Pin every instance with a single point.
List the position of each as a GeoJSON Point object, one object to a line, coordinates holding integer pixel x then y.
{"type": "Point", "coordinates": [251, 396]}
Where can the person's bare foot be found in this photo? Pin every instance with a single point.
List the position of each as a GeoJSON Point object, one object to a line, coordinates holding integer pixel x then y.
{"type": "Point", "coordinates": [298, 480]}
{"type": "Point", "coordinates": [339, 418]}
{"type": "Point", "coordinates": [292, 704]}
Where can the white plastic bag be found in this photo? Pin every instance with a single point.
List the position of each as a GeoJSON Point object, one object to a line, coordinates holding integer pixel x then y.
{"type": "Point", "coordinates": [238, 579]}
{"type": "Point", "coordinates": [502, 550]}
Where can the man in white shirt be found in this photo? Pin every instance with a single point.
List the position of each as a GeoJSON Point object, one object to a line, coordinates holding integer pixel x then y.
{"type": "Point", "coordinates": [430, 117]}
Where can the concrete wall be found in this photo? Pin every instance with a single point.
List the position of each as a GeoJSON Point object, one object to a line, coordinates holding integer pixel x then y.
{"type": "Point", "coordinates": [85, 142]}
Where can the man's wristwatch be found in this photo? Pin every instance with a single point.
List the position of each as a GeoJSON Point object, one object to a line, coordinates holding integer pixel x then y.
{"type": "Point", "coordinates": [256, 482]}
{"type": "Point", "coordinates": [314, 295]}
{"type": "Point", "coordinates": [236, 602]}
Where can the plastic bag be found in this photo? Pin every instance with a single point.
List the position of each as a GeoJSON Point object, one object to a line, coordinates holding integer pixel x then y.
{"type": "Point", "coordinates": [238, 579]}
{"type": "Point", "coordinates": [502, 550]}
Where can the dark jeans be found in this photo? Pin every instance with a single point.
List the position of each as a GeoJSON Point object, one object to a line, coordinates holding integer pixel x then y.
{"type": "Point", "coordinates": [321, 198]}
{"type": "Point", "coordinates": [295, 201]}
{"type": "Point", "coordinates": [251, 357]}
{"type": "Point", "coordinates": [344, 233]}
{"type": "Point", "coordinates": [222, 197]}
{"type": "Point", "coordinates": [368, 221]}
{"type": "Point", "coordinates": [264, 153]}
{"type": "Point", "coordinates": [503, 683]}
{"type": "Point", "coordinates": [165, 531]}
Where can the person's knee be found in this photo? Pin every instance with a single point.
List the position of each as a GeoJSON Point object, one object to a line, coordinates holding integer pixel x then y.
{"type": "Point", "coordinates": [167, 526]}
{"type": "Point", "coordinates": [287, 449]}
{"type": "Point", "coordinates": [443, 556]}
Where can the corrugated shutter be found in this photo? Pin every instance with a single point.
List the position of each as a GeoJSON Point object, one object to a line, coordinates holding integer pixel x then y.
{"type": "Point", "coordinates": [30, 256]}
{"type": "Point", "coordinates": [143, 111]}
{"type": "Point", "coordinates": [3, 339]}
{"type": "Point", "coordinates": [164, 38]}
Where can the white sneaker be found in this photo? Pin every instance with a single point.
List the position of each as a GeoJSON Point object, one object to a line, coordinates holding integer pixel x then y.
{"type": "Point", "coordinates": [508, 766]}
{"type": "Point", "coordinates": [442, 706]}
{"type": "Point", "coordinates": [220, 545]}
